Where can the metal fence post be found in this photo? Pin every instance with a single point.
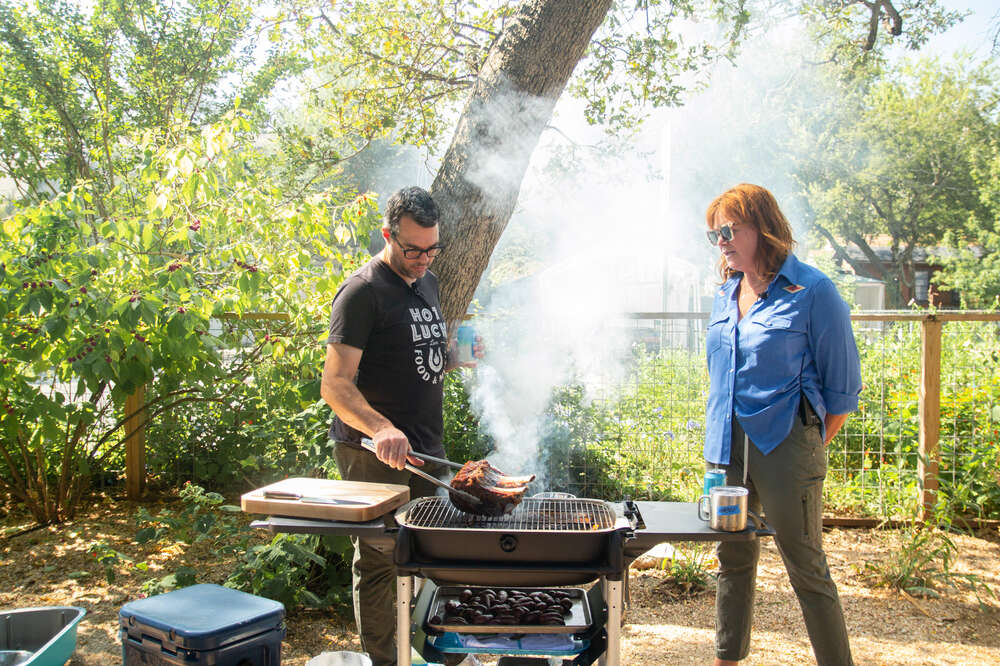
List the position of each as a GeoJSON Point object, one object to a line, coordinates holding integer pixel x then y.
{"type": "Point", "coordinates": [930, 414]}
{"type": "Point", "coordinates": [135, 444]}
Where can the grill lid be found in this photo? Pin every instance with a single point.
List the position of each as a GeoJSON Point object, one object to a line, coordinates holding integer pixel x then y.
{"type": "Point", "coordinates": [531, 515]}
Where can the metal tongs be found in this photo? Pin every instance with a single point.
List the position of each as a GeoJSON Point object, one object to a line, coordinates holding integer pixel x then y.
{"type": "Point", "coordinates": [369, 445]}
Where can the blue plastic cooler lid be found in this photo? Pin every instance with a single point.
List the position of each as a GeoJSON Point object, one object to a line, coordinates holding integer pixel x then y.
{"type": "Point", "coordinates": [200, 617]}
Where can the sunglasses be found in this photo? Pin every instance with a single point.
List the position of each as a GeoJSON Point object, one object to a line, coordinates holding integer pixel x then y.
{"type": "Point", "coordinates": [725, 232]}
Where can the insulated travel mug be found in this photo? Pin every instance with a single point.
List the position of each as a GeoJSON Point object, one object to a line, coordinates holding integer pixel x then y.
{"type": "Point", "coordinates": [725, 508]}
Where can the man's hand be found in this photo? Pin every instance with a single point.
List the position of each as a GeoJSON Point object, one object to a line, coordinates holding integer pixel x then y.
{"type": "Point", "coordinates": [478, 352]}
{"type": "Point", "coordinates": [392, 447]}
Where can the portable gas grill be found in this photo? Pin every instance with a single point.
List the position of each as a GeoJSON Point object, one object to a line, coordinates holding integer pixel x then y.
{"type": "Point", "coordinates": [543, 543]}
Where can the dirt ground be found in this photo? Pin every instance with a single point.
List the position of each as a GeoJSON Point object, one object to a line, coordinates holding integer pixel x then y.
{"type": "Point", "coordinates": [51, 566]}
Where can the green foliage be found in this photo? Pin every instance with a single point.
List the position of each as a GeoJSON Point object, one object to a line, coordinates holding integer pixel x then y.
{"type": "Point", "coordinates": [201, 516]}
{"type": "Point", "coordinates": [182, 577]}
{"type": "Point", "coordinates": [644, 441]}
{"type": "Point", "coordinates": [111, 560]}
{"type": "Point", "coordinates": [294, 569]}
{"type": "Point", "coordinates": [297, 569]}
{"type": "Point", "coordinates": [691, 568]}
{"type": "Point", "coordinates": [463, 438]}
{"type": "Point", "coordinates": [381, 68]}
{"type": "Point", "coordinates": [79, 81]}
{"type": "Point", "coordinates": [630, 69]}
{"type": "Point", "coordinates": [855, 35]}
{"type": "Point", "coordinates": [272, 426]}
{"type": "Point", "coordinates": [919, 559]}
{"type": "Point", "coordinates": [900, 152]}
{"type": "Point", "coordinates": [974, 270]}
{"type": "Point", "coordinates": [872, 465]}
{"type": "Point", "coordinates": [96, 307]}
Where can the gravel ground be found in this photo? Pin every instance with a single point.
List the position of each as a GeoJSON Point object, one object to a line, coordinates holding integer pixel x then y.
{"type": "Point", "coordinates": [50, 566]}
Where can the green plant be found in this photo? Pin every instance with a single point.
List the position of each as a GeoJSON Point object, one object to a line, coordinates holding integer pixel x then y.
{"type": "Point", "coordinates": [643, 439]}
{"type": "Point", "coordinates": [111, 560]}
{"type": "Point", "coordinates": [96, 307]}
{"type": "Point", "coordinates": [201, 516]}
{"type": "Point", "coordinates": [196, 520]}
{"type": "Point", "coordinates": [297, 569]}
{"type": "Point", "coordinates": [920, 559]}
{"type": "Point", "coordinates": [463, 437]}
{"type": "Point", "coordinates": [182, 577]}
{"type": "Point", "coordinates": [689, 568]}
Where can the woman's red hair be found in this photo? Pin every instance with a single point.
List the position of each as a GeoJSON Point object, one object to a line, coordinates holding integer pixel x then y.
{"type": "Point", "coordinates": [754, 205]}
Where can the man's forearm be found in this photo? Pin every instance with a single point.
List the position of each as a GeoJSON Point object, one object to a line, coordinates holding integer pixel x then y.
{"type": "Point", "coordinates": [351, 407]}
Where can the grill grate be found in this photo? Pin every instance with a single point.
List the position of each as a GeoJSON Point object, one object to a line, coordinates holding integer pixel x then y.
{"type": "Point", "coordinates": [531, 515]}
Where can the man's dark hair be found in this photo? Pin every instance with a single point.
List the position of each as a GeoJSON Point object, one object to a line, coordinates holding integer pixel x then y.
{"type": "Point", "coordinates": [415, 202]}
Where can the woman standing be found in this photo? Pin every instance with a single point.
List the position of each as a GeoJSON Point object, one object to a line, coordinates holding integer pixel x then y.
{"type": "Point", "coordinates": [784, 374]}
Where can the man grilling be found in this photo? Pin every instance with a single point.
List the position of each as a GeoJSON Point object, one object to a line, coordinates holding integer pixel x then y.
{"type": "Point", "coordinates": [386, 356]}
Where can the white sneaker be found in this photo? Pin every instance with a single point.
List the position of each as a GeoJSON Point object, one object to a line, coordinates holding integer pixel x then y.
{"type": "Point", "coordinates": [471, 660]}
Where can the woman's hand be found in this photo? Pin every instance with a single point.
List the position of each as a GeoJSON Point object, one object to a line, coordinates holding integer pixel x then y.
{"type": "Point", "coordinates": [833, 424]}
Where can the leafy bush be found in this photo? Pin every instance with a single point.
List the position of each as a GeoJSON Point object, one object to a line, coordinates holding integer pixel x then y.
{"type": "Point", "coordinates": [297, 569]}
{"type": "Point", "coordinates": [919, 559]}
{"type": "Point", "coordinates": [644, 440]}
{"type": "Point", "coordinates": [463, 437]}
{"type": "Point", "coordinates": [97, 305]}
{"type": "Point", "coordinates": [293, 569]}
{"type": "Point", "coordinates": [201, 516]}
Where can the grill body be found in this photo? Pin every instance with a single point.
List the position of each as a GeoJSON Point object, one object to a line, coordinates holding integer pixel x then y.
{"type": "Point", "coordinates": [542, 542]}
{"type": "Point", "coordinates": [538, 545]}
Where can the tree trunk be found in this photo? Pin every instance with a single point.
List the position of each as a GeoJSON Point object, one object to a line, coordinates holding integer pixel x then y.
{"type": "Point", "coordinates": [479, 180]}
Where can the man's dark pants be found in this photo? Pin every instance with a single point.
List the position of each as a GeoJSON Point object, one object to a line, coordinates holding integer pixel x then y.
{"type": "Point", "coordinates": [788, 483]}
{"type": "Point", "coordinates": [374, 573]}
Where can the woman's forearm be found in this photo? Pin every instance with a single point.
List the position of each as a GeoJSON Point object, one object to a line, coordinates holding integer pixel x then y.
{"type": "Point", "coordinates": [833, 423]}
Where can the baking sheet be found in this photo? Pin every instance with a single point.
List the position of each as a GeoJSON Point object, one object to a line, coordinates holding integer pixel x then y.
{"type": "Point", "coordinates": [577, 620]}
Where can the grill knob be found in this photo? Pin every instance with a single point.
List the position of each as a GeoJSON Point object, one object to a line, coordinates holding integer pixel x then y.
{"type": "Point", "coordinates": [508, 543]}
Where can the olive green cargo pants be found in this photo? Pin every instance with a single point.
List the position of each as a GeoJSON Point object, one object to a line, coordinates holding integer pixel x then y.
{"type": "Point", "coordinates": [373, 570]}
{"type": "Point", "coordinates": [788, 484]}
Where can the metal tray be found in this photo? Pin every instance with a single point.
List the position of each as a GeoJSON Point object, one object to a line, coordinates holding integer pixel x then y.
{"type": "Point", "coordinates": [577, 621]}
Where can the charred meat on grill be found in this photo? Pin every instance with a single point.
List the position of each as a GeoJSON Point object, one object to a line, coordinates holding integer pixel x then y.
{"type": "Point", "coordinates": [497, 493]}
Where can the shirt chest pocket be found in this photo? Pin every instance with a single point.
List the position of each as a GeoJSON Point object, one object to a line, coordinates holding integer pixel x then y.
{"type": "Point", "coordinates": [716, 336]}
{"type": "Point", "coordinates": [779, 345]}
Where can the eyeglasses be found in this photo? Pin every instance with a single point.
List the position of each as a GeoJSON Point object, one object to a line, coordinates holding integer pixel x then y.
{"type": "Point", "coordinates": [725, 232]}
{"type": "Point", "coordinates": [415, 252]}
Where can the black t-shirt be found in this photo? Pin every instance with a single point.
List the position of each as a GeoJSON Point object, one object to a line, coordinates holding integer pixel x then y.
{"type": "Point", "coordinates": [401, 332]}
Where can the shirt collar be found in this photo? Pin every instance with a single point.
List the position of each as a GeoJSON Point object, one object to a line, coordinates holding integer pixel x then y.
{"type": "Point", "coordinates": [789, 271]}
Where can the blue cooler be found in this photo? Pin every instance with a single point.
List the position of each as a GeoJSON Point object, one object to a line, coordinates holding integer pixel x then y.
{"type": "Point", "coordinates": [208, 625]}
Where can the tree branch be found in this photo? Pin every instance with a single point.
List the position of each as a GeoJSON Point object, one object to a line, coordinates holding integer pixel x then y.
{"type": "Point", "coordinates": [839, 250]}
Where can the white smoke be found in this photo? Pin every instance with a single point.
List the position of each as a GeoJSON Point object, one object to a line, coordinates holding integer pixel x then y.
{"type": "Point", "coordinates": [614, 233]}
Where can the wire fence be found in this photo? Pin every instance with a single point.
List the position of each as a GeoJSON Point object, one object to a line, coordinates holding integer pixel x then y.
{"type": "Point", "coordinates": [641, 433]}
{"type": "Point", "coordinates": [646, 433]}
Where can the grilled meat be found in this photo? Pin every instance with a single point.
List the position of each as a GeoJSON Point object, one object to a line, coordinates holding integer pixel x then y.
{"type": "Point", "coordinates": [498, 493]}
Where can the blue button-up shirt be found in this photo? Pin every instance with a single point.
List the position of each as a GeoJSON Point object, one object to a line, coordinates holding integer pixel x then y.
{"type": "Point", "coordinates": [795, 341]}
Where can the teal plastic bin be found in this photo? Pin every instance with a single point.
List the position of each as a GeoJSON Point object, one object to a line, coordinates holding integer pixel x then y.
{"type": "Point", "coordinates": [43, 636]}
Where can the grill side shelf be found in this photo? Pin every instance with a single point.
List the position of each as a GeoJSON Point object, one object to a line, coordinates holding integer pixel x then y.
{"type": "Point", "coordinates": [676, 521]}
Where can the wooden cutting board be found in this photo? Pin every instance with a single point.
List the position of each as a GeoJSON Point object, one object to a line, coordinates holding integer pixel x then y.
{"type": "Point", "coordinates": [375, 499]}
